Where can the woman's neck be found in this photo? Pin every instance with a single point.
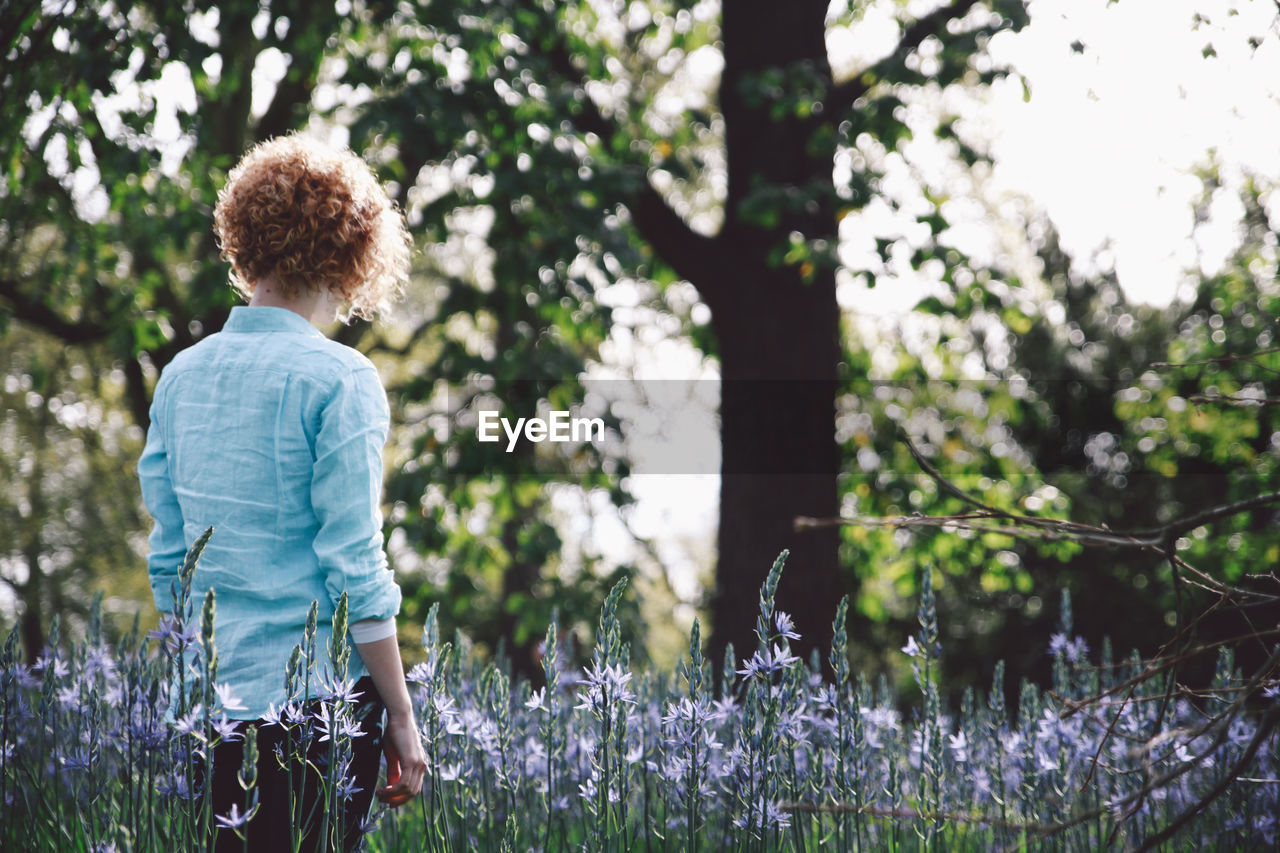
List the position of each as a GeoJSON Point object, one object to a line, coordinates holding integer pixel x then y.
{"type": "Point", "coordinates": [314, 305]}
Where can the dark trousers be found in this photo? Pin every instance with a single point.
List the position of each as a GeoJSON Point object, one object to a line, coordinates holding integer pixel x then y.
{"type": "Point", "coordinates": [269, 830]}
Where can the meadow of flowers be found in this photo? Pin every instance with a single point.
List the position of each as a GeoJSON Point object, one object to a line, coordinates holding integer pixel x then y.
{"type": "Point", "coordinates": [606, 758]}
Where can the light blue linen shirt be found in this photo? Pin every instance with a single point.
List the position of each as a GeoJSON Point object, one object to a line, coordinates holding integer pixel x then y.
{"type": "Point", "coordinates": [272, 434]}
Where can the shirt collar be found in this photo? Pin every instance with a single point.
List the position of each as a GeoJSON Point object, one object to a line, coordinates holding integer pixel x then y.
{"type": "Point", "coordinates": [262, 318]}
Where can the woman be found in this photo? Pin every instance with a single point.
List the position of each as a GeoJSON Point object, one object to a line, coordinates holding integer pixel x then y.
{"type": "Point", "coordinates": [272, 434]}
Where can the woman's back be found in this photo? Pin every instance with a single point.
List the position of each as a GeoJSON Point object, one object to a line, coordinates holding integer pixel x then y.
{"type": "Point", "coordinates": [273, 435]}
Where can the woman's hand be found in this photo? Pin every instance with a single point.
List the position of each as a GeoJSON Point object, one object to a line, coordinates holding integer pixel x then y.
{"type": "Point", "coordinates": [406, 760]}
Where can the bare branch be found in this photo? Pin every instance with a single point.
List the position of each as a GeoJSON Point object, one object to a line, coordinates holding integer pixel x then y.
{"type": "Point", "coordinates": [1235, 400]}
{"type": "Point", "coordinates": [1224, 359]}
{"type": "Point", "coordinates": [1157, 538]}
{"type": "Point", "coordinates": [1268, 722]}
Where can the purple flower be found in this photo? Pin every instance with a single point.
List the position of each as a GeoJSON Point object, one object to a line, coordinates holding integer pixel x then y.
{"type": "Point", "coordinates": [689, 718]}
{"type": "Point", "coordinates": [792, 723]}
{"type": "Point", "coordinates": [1183, 754]}
{"type": "Point", "coordinates": [187, 724]}
{"type": "Point", "coordinates": [79, 759]}
{"type": "Point", "coordinates": [341, 727]}
{"type": "Point", "coordinates": [114, 694]}
{"type": "Point", "coordinates": [226, 729]}
{"type": "Point", "coordinates": [174, 634]}
{"type": "Point", "coordinates": [100, 662]}
{"type": "Point", "coordinates": [1074, 649]}
{"type": "Point", "coordinates": [444, 706]}
{"type": "Point", "coordinates": [370, 823]}
{"type": "Point", "coordinates": [227, 700]}
{"type": "Point", "coordinates": [175, 785]}
{"type": "Point", "coordinates": [335, 691]}
{"type": "Point", "coordinates": [272, 717]}
{"type": "Point", "coordinates": [1240, 732]}
{"type": "Point", "coordinates": [535, 762]}
{"type": "Point", "coordinates": [827, 696]}
{"type": "Point", "coordinates": [482, 730]}
{"type": "Point", "coordinates": [537, 702]}
{"type": "Point", "coordinates": [422, 673]}
{"type": "Point", "coordinates": [347, 788]}
{"type": "Point", "coordinates": [765, 814]}
{"type": "Point", "coordinates": [25, 676]}
{"type": "Point", "coordinates": [768, 662]}
{"type": "Point", "coordinates": [785, 626]}
{"type": "Point", "coordinates": [981, 780]}
{"type": "Point", "coordinates": [722, 708]}
{"type": "Point", "coordinates": [68, 696]}
{"type": "Point", "coordinates": [233, 820]}
{"type": "Point", "coordinates": [60, 668]}
{"type": "Point", "coordinates": [607, 682]}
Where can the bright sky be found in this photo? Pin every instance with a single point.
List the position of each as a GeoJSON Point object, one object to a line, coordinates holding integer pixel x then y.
{"type": "Point", "coordinates": [1111, 138]}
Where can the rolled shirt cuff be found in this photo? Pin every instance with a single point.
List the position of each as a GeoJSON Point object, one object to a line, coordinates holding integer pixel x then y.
{"type": "Point", "coordinates": [369, 630]}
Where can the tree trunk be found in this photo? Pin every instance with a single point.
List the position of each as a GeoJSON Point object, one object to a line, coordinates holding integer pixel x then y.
{"type": "Point", "coordinates": [32, 592]}
{"type": "Point", "coordinates": [777, 324]}
{"type": "Point", "coordinates": [779, 461]}
{"type": "Point", "coordinates": [519, 578]}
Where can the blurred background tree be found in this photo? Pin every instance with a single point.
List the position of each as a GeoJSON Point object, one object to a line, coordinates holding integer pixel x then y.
{"type": "Point", "coordinates": [670, 142]}
{"type": "Point", "coordinates": [561, 163]}
{"type": "Point", "coordinates": [66, 531]}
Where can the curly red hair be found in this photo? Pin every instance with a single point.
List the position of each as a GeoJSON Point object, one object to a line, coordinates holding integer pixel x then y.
{"type": "Point", "coordinates": [309, 215]}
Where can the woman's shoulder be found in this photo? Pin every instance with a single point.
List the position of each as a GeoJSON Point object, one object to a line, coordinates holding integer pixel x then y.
{"type": "Point", "coordinates": [193, 356]}
{"type": "Point", "coordinates": [332, 360]}
{"type": "Point", "coordinates": [316, 360]}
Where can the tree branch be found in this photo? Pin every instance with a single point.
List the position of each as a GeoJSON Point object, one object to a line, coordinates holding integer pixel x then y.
{"type": "Point", "coordinates": [698, 259]}
{"type": "Point", "coordinates": [36, 313]}
{"type": "Point", "coordinates": [1265, 726]}
{"type": "Point", "coordinates": [843, 95]}
{"type": "Point", "coordinates": [1153, 537]}
{"type": "Point", "coordinates": [991, 519]}
{"type": "Point", "coordinates": [695, 258]}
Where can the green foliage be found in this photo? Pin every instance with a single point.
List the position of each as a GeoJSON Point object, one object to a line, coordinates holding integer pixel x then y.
{"type": "Point", "coordinates": [1081, 406]}
{"type": "Point", "coordinates": [107, 242]}
{"type": "Point", "coordinates": [535, 150]}
{"type": "Point", "coordinates": [518, 244]}
{"type": "Point", "coordinates": [107, 260]}
{"type": "Point", "coordinates": [62, 521]}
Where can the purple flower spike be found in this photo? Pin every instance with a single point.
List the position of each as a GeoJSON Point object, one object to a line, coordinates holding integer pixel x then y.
{"type": "Point", "coordinates": [785, 626]}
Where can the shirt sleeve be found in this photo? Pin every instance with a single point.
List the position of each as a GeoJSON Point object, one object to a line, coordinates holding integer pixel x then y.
{"type": "Point", "coordinates": [167, 542]}
{"type": "Point", "coordinates": [371, 630]}
{"type": "Point", "coordinates": [346, 493]}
